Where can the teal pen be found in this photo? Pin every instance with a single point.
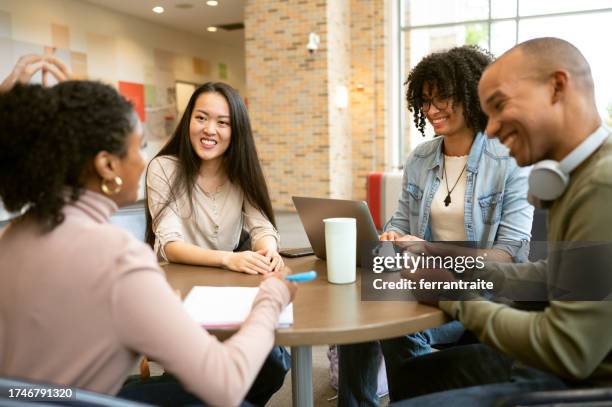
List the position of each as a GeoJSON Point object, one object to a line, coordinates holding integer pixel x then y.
{"type": "Point", "coordinates": [302, 277]}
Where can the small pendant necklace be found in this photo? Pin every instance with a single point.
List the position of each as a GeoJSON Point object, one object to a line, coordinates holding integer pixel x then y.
{"type": "Point", "coordinates": [447, 200]}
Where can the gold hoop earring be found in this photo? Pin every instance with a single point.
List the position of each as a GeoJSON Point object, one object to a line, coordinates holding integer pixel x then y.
{"type": "Point", "coordinates": [118, 182]}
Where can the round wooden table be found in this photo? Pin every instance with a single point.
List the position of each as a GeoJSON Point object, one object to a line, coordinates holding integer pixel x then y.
{"type": "Point", "coordinates": [323, 313]}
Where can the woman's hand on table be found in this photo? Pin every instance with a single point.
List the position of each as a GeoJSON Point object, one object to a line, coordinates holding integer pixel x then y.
{"type": "Point", "coordinates": [274, 259]}
{"type": "Point", "coordinates": [248, 262]}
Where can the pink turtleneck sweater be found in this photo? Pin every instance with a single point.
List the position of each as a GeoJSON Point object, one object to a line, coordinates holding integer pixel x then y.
{"type": "Point", "coordinates": [79, 304]}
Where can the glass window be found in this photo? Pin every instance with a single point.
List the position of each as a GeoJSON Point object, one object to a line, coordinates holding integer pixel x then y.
{"type": "Point", "coordinates": [446, 11]}
{"type": "Point", "coordinates": [477, 34]}
{"type": "Point", "coordinates": [503, 8]}
{"type": "Point", "coordinates": [595, 30]}
{"type": "Point", "coordinates": [537, 7]}
{"type": "Point", "coordinates": [427, 40]}
{"type": "Point", "coordinates": [450, 23]}
{"type": "Point", "coordinates": [503, 37]}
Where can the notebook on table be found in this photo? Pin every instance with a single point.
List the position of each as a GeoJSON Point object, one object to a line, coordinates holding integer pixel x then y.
{"type": "Point", "coordinates": [226, 307]}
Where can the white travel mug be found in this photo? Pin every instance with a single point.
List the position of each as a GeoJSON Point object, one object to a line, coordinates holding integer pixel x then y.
{"type": "Point", "coordinates": [341, 249]}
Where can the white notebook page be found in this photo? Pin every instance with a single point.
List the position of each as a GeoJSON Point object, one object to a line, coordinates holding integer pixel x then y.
{"type": "Point", "coordinates": [226, 307]}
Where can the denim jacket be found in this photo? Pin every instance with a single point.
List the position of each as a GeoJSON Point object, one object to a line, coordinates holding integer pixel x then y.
{"type": "Point", "coordinates": [497, 214]}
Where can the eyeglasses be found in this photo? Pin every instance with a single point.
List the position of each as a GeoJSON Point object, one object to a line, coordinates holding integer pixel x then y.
{"type": "Point", "coordinates": [440, 102]}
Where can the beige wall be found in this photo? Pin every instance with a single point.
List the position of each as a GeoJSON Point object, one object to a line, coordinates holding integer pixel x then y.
{"type": "Point", "coordinates": [307, 144]}
{"type": "Point", "coordinates": [101, 44]}
{"type": "Point", "coordinates": [131, 42]}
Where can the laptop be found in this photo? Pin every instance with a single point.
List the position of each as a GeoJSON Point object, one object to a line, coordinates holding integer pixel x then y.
{"type": "Point", "coordinates": [312, 211]}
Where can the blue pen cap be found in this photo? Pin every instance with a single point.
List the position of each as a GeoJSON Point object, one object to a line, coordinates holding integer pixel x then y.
{"type": "Point", "coordinates": [302, 277]}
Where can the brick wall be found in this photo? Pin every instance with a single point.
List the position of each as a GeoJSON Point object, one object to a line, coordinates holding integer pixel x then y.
{"type": "Point", "coordinates": [308, 146]}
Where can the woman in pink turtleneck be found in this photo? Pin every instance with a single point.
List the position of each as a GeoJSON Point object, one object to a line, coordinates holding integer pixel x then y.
{"type": "Point", "coordinates": [80, 299]}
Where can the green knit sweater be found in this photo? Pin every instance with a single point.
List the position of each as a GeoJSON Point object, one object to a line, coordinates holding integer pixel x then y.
{"type": "Point", "coordinates": [572, 339]}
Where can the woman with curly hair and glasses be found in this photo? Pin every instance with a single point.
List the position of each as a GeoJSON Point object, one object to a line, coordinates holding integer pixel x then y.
{"type": "Point", "coordinates": [458, 187]}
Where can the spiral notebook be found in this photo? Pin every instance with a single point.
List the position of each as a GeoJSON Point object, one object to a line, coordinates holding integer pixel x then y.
{"type": "Point", "coordinates": [226, 307]}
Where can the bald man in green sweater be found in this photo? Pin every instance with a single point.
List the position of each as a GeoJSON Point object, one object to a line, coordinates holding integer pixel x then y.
{"type": "Point", "coordinates": [539, 97]}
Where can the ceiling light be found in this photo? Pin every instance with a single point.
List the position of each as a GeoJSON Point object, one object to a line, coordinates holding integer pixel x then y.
{"type": "Point", "coordinates": [158, 9]}
{"type": "Point", "coordinates": [212, 3]}
{"type": "Point", "coordinates": [212, 29]}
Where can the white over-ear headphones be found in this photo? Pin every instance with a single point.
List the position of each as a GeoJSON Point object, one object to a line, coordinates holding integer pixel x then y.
{"type": "Point", "coordinates": [549, 178]}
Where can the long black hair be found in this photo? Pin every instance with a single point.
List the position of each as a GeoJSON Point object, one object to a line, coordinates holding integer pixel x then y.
{"type": "Point", "coordinates": [240, 160]}
{"type": "Point", "coordinates": [455, 73]}
{"type": "Point", "coordinates": [48, 139]}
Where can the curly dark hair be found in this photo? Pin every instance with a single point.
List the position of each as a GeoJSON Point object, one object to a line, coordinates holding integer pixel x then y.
{"type": "Point", "coordinates": [49, 137]}
{"type": "Point", "coordinates": [455, 73]}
